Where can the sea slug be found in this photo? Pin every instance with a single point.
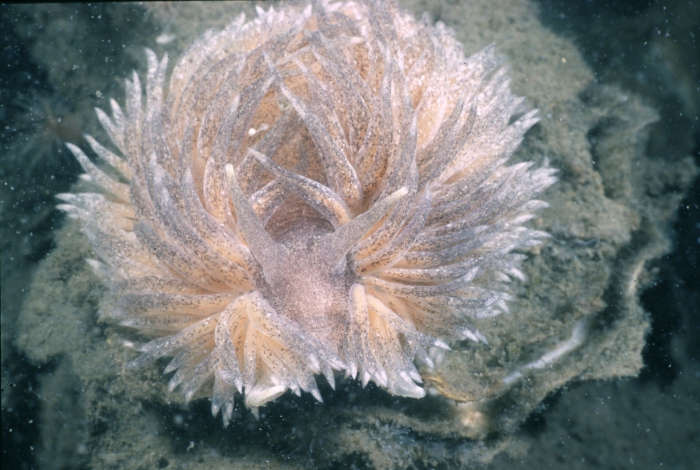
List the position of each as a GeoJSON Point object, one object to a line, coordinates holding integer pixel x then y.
{"type": "Point", "coordinates": [320, 190]}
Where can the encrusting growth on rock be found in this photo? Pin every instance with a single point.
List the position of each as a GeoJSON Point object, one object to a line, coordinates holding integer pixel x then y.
{"type": "Point", "coordinates": [315, 191]}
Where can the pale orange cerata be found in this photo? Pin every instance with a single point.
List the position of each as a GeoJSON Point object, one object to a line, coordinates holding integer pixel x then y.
{"type": "Point", "coordinates": [322, 190]}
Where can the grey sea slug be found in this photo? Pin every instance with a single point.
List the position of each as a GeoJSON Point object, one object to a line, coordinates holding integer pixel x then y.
{"type": "Point", "coordinates": [321, 190]}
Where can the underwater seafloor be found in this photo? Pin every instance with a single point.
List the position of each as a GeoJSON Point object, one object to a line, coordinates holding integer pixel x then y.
{"type": "Point", "coordinates": [617, 86]}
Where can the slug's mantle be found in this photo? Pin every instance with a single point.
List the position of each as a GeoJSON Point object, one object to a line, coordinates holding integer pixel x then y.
{"type": "Point", "coordinates": [315, 191]}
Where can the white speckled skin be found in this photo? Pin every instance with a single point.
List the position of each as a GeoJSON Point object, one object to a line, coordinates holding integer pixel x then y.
{"type": "Point", "coordinates": [317, 190]}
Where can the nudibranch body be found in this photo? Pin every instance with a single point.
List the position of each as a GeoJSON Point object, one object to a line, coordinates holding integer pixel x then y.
{"type": "Point", "coordinates": [319, 190]}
